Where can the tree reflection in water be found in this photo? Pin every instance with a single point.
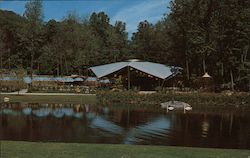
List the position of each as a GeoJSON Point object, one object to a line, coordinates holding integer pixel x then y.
{"type": "Point", "coordinates": [124, 125]}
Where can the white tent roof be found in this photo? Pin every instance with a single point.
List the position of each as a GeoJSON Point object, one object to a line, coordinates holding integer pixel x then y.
{"type": "Point", "coordinates": [206, 75]}
{"type": "Point", "coordinates": [154, 69]}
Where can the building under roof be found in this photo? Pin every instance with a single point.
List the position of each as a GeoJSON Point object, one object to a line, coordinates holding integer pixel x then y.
{"type": "Point", "coordinates": [136, 73]}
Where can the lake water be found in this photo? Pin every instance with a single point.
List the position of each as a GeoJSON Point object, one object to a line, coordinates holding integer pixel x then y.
{"type": "Point", "coordinates": [124, 125]}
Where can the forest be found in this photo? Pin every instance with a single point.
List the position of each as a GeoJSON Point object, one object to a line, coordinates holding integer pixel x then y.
{"type": "Point", "coordinates": [198, 35]}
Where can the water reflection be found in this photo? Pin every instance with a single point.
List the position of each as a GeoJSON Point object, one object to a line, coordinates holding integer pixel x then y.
{"type": "Point", "coordinates": [78, 114]}
{"type": "Point", "coordinates": [58, 113]}
{"type": "Point", "coordinates": [27, 111]}
{"type": "Point", "coordinates": [68, 111]}
{"type": "Point", "coordinates": [154, 128]}
{"type": "Point", "coordinates": [8, 111]}
{"type": "Point", "coordinates": [43, 112]}
{"type": "Point", "coordinates": [107, 124]}
{"type": "Point", "coordinates": [205, 128]}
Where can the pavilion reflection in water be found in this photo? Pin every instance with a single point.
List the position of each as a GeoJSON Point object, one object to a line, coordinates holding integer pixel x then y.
{"type": "Point", "coordinates": [157, 127]}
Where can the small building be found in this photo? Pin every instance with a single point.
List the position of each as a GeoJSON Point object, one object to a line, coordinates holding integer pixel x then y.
{"type": "Point", "coordinates": [138, 74]}
{"type": "Point", "coordinates": [205, 83]}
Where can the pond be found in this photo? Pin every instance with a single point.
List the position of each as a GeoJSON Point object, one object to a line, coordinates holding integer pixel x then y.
{"type": "Point", "coordinates": [123, 125]}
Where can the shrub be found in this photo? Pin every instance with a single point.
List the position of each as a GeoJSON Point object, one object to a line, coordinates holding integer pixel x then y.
{"type": "Point", "coordinates": [208, 99]}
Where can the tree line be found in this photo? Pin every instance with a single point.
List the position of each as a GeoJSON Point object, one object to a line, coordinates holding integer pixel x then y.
{"type": "Point", "coordinates": [198, 35]}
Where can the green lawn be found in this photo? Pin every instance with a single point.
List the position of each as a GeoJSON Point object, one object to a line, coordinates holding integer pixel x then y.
{"type": "Point", "coordinates": [77, 99]}
{"type": "Point", "coordinates": [13, 149]}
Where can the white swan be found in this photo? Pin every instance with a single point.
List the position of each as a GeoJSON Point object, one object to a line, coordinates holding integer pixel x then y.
{"type": "Point", "coordinates": [6, 99]}
{"type": "Point", "coordinates": [188, 108]}
{"type": "Point", "coordinates": [171, 105]}
{"type": "Point", "coordinates": [170, 108]}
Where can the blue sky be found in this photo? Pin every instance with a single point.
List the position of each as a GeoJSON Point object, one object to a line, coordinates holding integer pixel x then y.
{"type": "Point", "coordinates": [129, 11]}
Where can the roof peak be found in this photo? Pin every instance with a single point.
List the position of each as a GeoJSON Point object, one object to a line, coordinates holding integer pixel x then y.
{"type": "Point", "coordinates": [133, 60]}
{"type": "Point", "coordinates": [206, 75]}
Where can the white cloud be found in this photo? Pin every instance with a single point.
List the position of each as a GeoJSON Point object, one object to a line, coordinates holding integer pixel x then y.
{"type": "Point", "coordinates": [150, 10]}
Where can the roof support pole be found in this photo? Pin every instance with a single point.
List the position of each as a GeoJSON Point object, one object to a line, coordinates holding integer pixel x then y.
{"type": "Point", "coordinates": [162, 84]}
{"type": "Point", "coordinates": [128, 78]}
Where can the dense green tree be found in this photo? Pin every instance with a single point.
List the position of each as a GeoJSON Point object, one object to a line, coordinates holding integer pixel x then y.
{"type": "Point", "coordinates": [33, 30]}
{"type": "Point", "coordinates": [200, 36]}
{"type": "Point", "coordinates": [217, 35]}
{"type": "Point", "coordinates": [1, 48]}
{"type": "Point", "coordinates": [112, 40]}
{"type": "Point", "coordinates": [10, 34]}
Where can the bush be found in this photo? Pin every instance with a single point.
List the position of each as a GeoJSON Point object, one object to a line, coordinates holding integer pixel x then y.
{"type": "Point", "coordinates": [209, 99]}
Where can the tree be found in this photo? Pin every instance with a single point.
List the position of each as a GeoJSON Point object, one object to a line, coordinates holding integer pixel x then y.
{"type": "Point", "coordinates": [1, 48]}
{"type": "Point", "coordinates": [10, 28]}
{"type": "Point", "coordinates": [34, 16]}
{"type": "Point", "coordinates": [197, 35]}
{"type": "Point", "coordinates": [112, 40]}
{"type": "Point", "coordinates": [142, 39]}
{"type": "Point", "coordinates": [19, 74]}
{"type": "Point", "coordinates": [181, 18]}
{"type": "Point", "coordinates": [200, 36]}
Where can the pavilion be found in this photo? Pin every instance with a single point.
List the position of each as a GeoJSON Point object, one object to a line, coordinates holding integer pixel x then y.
{"type": "Point", "coordinates": [135, 73]}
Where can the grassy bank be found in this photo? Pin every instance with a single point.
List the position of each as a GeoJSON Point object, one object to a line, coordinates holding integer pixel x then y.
{"type": "Point", "coordinates": [64, 99]}
{"type": "Point", "coordinates": [209, 99]}
{"type": "Point", "coordinates": [197, 100]}
{"type": "Point", "coordinates": [11, 149]}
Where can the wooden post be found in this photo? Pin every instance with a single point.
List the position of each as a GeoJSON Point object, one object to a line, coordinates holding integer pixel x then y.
{"type": "Point", "coordinates": [231, 124]}
{"type": "Point", "coordinates": [128, 119]}
{"type": "Point", "coordinates": [204, 65]}
{"type": "Point", "coordinates": [232, 79]}
{"type": "Point", "coordinates": [162, 84]}
{"type": "Point", "coordinates": [128, 78]}
{"type": "Point", "coordinates": [81, 100]}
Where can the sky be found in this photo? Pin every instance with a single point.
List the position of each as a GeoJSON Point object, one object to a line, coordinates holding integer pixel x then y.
{"type": "Point", "coordinates": [129, 11]}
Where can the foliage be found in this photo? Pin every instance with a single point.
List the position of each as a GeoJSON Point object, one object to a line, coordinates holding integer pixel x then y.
{"type": "Point", "coordinates": [197, 35]}
{"type": "Point", "coordinates": [194, 99]}
{"type": "Point", "coordinates": [200, 36]}
{"type": "Point", "coordinates": [59, 47]}
{"type": "Point", "coordinates": [33, 31]}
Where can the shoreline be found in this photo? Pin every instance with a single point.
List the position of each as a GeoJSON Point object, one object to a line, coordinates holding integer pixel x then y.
{"type": "Point", "coordinates": [212, 100]}
{"type": "Point", "coordinates": [50, 98]}
{"type": "Point", "coordinates": [66, 94]}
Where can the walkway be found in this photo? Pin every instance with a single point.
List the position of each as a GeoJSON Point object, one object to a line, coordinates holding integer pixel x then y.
{"type": "Point", "coordinates": [24, 92]}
